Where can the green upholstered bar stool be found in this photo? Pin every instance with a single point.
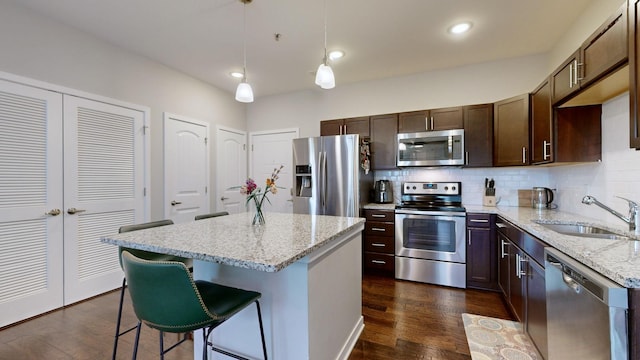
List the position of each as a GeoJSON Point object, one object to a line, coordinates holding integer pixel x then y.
{"type": "Point", "coordinates": [211, 215]}
{"type": "Point", "coordinates": [165, 297]}
{"type": "Point", "coordinates": [145, 255]}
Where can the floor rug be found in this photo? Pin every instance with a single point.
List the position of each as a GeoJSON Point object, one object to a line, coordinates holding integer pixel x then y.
{"type": "Point", "coordinates": [496, 339]}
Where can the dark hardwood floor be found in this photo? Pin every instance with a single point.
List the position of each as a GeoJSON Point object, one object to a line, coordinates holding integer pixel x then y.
{"type": "Point", "coordinates": [403, 320]}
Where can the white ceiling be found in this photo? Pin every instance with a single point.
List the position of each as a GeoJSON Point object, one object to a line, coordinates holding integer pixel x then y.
{"type": "Point", "coordinates": [382, 38]}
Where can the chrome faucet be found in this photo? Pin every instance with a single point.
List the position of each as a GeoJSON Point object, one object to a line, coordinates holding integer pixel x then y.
{"type": "Point", "coordinates": [634, 211]}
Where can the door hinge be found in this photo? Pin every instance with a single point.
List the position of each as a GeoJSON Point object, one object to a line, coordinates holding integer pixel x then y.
{"type": "Point", "coordinates": [144, 129]}
{"type": "Point", "coordinates": [251, 147]}
{"type": "Point", "coordinates": [244, 146]}
{"type": "Point", "coordinates": [206, 189]}
{"type": "Point", "coordinates": [206, 141]}
{"type": "Point", "coordinates": [144, 192]}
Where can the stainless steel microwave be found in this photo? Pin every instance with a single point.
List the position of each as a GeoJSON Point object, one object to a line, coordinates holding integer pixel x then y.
{"type": "Point", "coordinates": [431, 148]}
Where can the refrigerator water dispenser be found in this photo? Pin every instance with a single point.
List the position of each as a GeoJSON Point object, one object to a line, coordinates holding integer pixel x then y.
{"type": "Point", "coordinates": [303, 181]}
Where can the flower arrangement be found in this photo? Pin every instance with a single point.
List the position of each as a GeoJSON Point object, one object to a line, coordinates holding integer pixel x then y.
{"type": "Point", "coordinates": [259, 195]}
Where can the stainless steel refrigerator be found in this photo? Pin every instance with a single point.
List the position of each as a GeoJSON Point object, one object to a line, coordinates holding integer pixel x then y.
{"type": "Point", "coordinates": [328, 178]}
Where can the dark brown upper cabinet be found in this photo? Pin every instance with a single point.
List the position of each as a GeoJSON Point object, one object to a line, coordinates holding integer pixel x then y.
{"type": "Point", "coordinates": [511, 131]}
{"type": "Point", "coordinates": [384, 130]}
{"type": "Point", "coordinates": [478, 129]}
{"type": "Point", "coordinates": [358, 125]}
{"type": "Point", "coordinates": [585, 77]}
{"type": "Point", "coordinates": [430, 120]}
{"type": "Point", "coordinates": [542, 124]}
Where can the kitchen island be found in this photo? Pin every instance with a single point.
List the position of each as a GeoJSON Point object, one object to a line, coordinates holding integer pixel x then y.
{"type": "Point", "coordinates": [307, 267]}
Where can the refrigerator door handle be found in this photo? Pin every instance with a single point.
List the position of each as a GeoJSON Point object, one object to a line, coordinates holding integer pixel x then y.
{"type": "Point", "coordinates": [324, 180]}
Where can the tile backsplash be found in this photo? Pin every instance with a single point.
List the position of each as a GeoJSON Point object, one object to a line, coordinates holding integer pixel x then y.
{"type": "Point", "coordinates": [618, 174]}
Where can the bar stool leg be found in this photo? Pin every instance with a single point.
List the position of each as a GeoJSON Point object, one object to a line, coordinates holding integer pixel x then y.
{"type": "Point", "coordinates": [264, 345]}
{"type": "Point", "coordinates": [117, 336]}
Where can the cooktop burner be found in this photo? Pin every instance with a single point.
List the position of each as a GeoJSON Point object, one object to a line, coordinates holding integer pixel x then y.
{"type": "Point", "coordinates": [432, 196]}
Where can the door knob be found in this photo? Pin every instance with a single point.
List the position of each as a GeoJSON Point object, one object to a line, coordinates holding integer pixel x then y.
{"type": "Point", "coordinates": [174, 203]}
{"type": "Point", "coordinates": [223, 198]}
{"type": "Point", "coordinates": [74, 211]}
{"type": "Point", "coordinates": [53, 212]}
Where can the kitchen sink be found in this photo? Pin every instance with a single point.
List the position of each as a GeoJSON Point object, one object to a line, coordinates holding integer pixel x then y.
{"type": "Point", "coordinates": [584, 231]}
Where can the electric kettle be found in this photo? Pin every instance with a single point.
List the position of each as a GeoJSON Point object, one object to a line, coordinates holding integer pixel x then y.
{"type": "Point", "coordinates": [541, 198]}
{"type": "Point", "coordinates": [383, 192]}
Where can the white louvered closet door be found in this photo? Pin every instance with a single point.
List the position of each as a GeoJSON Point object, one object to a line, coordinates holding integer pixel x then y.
{"type": "Point", "coordinates": [31, 258]}
{"type": "Point", "coordinates": [104, 183]}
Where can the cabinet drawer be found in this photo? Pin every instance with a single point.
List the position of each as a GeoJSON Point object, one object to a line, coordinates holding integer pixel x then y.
{"type": "Point", "coordinates": [479, 220]}
{"type": "Point", "coordinates": [380, 244]}
{"type": "Point", "coordinates": [379, 262]}
{"type": "Point", "coordinates": [379, 215]}
{"type": "Point", "coordinates": [379, 229]}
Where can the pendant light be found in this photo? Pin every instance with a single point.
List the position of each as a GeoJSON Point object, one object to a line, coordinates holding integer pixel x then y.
{"type": "Point", "coordinates": [244, 93]}
{"type": "Point", "coordinates": [324, 74]}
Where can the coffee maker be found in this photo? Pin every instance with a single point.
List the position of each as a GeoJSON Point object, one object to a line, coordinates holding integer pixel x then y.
{"type": "Point", "coordinates": [382, 192]}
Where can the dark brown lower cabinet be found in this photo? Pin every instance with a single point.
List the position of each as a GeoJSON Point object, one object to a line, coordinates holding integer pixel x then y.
{"type": "Point", "coordinates": [379, 242]}
{"type": "Point", "coordinates": [482, 262]}
{"type": "Point", "coordinates": [521, 279]}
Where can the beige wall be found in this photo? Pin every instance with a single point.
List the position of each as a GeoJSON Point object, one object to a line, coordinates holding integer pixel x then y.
{"type": "Point", "coordinates": [38, 48]}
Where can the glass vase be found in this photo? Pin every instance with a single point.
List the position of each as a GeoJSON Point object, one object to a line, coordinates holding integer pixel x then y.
{"type": "Point", "coordinates": [258, 217]}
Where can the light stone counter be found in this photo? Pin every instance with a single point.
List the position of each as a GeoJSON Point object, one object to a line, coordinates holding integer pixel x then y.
{"type": "Point", "coordinates": [375, 206]}
{"type": "Point", "coordinates": [619, 260]}
{"type": "Point", "coordinates": [232, 240]}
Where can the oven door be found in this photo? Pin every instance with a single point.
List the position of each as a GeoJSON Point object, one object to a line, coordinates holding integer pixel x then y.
{"type": "Point", "coordinates": [431, 235]}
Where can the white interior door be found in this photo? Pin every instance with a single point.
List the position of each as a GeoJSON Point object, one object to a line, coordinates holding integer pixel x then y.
{"type": "Point", "coordinates": [31, 243]}
{"type": "Point", "coordinates": [269, 150]}
{"type": "Point", "coordinates": [103, 190]}
{"type": "Point", "coordinates": [231, 169]}
{"type": "Point", "coordinates": [186, 168]}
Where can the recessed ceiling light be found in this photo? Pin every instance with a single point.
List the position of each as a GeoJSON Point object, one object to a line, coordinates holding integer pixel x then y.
{"type": "Point", "coordinates": [336, 54]}
{"type": "Point", "coordinates": [460, 28]}
{"type": "Point", "coordinates": [236, 74]}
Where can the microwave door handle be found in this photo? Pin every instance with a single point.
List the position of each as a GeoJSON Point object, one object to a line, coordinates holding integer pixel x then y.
{"type": "Point", "coordinates": [450, 146]}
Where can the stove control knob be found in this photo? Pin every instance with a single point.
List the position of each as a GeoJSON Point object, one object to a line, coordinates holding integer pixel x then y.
{"type": "Point", "coordinates": [453, 188]}
{"type": "Point", "coordinates": [414, 188]}
{"type": "Point", "coordinates": [446, 188]}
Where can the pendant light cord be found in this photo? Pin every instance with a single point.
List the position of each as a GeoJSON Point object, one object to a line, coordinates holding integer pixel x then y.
{"type": "Point", "coordinates": [325, 32]}
{"type": "Point", "coordinates": [244, 41]}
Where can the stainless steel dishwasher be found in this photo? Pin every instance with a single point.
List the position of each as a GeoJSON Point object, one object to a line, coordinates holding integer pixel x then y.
{"type": "Point", "coordinates": [586, 312]}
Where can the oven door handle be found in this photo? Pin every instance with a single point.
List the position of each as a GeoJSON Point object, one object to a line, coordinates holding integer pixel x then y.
{"type": "Point", "coordinates": [430, 213]}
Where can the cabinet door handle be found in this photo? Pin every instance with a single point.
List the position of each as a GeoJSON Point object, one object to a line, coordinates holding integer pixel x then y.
{"type": "Point", "coordinates": [74, 211]}
{"type": "Point", "coordinates": [479, 221]}
{"type": "Point", "coordinates": [466, 158]}
{"type": "Point", "coordinates": [378, 229]}
{"type": "Point", "coordinates": [379, 262]}
{"type": "Point", "coordinates": [546, 154]}
{"type": "Point", "coordinates": [432, 123]}
{"type": "Point", "coordinates": [378, 215]}
{"type": "Point", "coordinates": [502, 252]}
{"type": "Point", "coordinates": [501, 225]}
{"type": "Point", "coordinates": [524, 155]}
{"type": "Point", "coordinates": [378, 245]}
{"type": "Point", "coordinates": [570, 75]}
{"type": "Point", "coordinates": [469, 237]}
{"type": "Point", "coordinates": [426, 123]}
{"type": "Point", "coordinates": [174, 203]}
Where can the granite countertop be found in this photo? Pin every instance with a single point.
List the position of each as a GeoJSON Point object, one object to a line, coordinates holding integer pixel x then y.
{"type": "Point", "coordinates": [376, 206]}
{"type": "Point", "coordinates": [232, 240]}
{"type": "Point", "coordinates": [619, 260]}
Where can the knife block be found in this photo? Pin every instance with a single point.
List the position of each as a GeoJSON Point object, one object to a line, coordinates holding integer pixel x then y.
{"type": "Point", "coordinates": [489, 200]}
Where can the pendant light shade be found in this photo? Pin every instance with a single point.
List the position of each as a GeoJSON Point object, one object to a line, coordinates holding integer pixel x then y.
{"type": "Point", "coordinates": [244, 93]}
{"type": "Point", "coordinates": [324, 75]}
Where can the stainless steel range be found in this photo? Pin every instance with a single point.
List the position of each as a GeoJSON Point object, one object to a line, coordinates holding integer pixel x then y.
{"type": "Point", "coordinates": [430, 234]}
